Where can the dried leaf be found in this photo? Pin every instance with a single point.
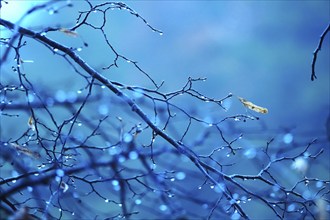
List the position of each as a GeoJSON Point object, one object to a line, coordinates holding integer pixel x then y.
{"type": "Point", "coordinates": [31, 123]}
{"type": "Point", "coordinates": [25, 151]}
{"type": "Point", "coordinates": [64, 186]}
{"type": "Point", "coordinates": [253, 107]}
{"type": "Point", "coordinates": [69, 32]}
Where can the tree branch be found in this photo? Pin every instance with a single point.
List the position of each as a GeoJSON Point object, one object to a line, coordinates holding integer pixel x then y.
{"type": "Point", "coordinates": [317, 50]}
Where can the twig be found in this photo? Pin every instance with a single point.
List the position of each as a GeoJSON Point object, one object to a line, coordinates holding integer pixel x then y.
{"type": "Point", "coordinates": [313, 76]}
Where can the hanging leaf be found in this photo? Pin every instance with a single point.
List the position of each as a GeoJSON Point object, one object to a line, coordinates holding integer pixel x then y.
{"type": "Point", "coordinates": [31, 123]}
{"type": "Point", "coordinates": [68, 32]}
{"type": "Point", "coordinates": [252, 106]}
{"type": "Point", "coordinates": [64, 186]}
{"type": "Point", "coordinates": [25, 150]}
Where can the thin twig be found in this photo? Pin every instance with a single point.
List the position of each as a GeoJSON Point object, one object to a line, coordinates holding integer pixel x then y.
{"type": "Point", "coordinates": [313, 76]}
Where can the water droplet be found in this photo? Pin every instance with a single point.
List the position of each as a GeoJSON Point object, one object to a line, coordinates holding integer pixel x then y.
{"type": "Point", "coordinates": [55, 49]}
{"type": "Point", "coordinates": [29, 188]}
{"type": "Point", "coordinates": [161, 33]}
{"type": "Point", "coordinates": [138, 201]}
{"type": "Point", "coordinates": [288, 138]}
{"type": "Point", "coordinates": [250, 153]}
{"type": "Point", "coordinates": [115, 182]}
{"type": "Point", "coordinates": [300, 164]}
{"type": "Point", "coordinates": [276, 188]}
{"type": "Point", "coordinates": [319, 184]}
{"type": "Point", "coordinates": [103, 109]}
{"type": "Point", "coordinates": [163, 207]}
{"type": "Point", "coordinates": [107, 200]}
{"type": "Point", "coordinates": [113, 150]}
{"type": "Point", "coordinates": [30, 97]}
{"type": "Point", "coordinates": [291, 208]}
{"type": "Point", "coordinates": [60, 96]}
{"type": "Point", "coordinates": [180, 175]}
{"type": "Point", "coordinates": [121, 159]}
{"type": "Point", "coordinates": [153, 166]}
{"type": "Point", "coordinates": [306, 154]}
{"type": "Point", "coordinates": [133, 155]}
{"type": "Point", "coordinates": [79, 49]}
{"type": "Point", "coordinates": [172, 179]}
{"type": "Point", "coordinates": [60, 172]}
{"type": "Point", "coordinates": [127, 137]}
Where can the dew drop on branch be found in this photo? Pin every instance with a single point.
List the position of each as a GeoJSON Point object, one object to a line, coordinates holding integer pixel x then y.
{"type": "Point", "coordinates": [288, 138]}
{"type": "Point", "coordinates": [291, 208]}
{"type": "Point", "coordinates": [319, 184]}
{"type": "Point", "coordinates": [103, 109]}
{"type": "Point", "coordinates": [180, 176]}
{"type": "Point", "coordinates": [133, 155]}
{"type": "Point", "coordinates": [29, 188]}
{"type": "Point", "coordinates": [163, 208]}
{"type": "Point", "coordinates": [59, 172]}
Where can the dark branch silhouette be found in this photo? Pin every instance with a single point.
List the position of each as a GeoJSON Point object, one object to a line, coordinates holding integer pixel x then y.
{"type": "Point", "coordinates": [317, 50]}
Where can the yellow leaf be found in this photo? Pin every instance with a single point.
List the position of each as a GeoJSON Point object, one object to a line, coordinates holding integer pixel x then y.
{"type": "Point", "coordinates": [252, 106]}
{"type": "Point", "coordinates": [25, 151]}
{"type": "Point", "coordinates": [31, 123]}
{"type": "Point", "coordinates": [69, 32]}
